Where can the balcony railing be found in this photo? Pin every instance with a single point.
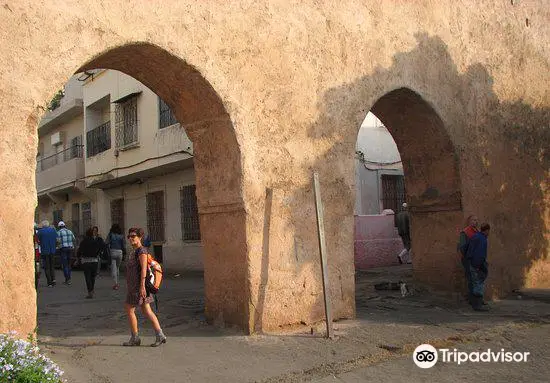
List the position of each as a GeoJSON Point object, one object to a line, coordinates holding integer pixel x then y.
{"type": "Point", "coordinates": [65, 155]}
{"type": "Point", "coordinates": [98, 140]}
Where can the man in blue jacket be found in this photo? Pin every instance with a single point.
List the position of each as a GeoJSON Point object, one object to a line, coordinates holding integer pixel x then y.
{"type": "Point", "coordinates": [476, 254]}
{"type": "Point", "coordinates": [48, 241]}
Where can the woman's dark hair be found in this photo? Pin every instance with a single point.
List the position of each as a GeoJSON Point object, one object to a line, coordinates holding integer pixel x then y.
{"type": "Point", "coordinates": [95, 228]}
{"type": "Point", "coordinates": [116, 229]}
{"type": "Point", "coordinates": [90, 232]}
{"type": "Point", "coordinates": [137, 230]}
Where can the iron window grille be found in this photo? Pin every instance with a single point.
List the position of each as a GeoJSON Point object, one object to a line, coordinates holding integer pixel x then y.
{"type": "Point", "coordinates": [86, 216]}
{"type": "Point", "coordinates": [393, 192]}
{"type": "Point", "coordinates": [57, 216]}
{"type": "Point", "coordinates": [166, 116]}
{"type": "Point", "coordinates": [155, 215]}
{"type": "Point", "coordinates": [190, 227]}
{"type": "Point", "coordinates": [75, 223]}
{"type": "Point", "coordinates": [126, 122]}
{"type": "Point", "coordinates": [117, 212]}
{"type": "Point", "coordinates": [75, 150]}
{"type": "Point", "coordinates": [98, 139]}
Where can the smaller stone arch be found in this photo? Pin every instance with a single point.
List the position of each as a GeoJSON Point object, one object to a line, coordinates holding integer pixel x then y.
{"type": "Point", "coordinates": [432, 181]}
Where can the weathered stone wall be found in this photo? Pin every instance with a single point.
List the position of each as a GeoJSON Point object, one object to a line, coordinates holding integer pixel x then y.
{"type": "Point", "coordinates": [290, 85]}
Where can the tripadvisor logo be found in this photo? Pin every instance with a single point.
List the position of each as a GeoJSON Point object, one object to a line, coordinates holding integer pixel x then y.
{"type": "Point", "coordinates": [426, 356]}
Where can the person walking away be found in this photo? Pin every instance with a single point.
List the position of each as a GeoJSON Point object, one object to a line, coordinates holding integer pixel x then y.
{"type": "Point", "coordinates": [103, 253]}
{"type": "Point", "coordinates": [403, 229]}
{"type": "Point", "coordinates": [47, 236]}
{"type": "Point", "coordinates": [88, 256]}
{"type": "Point", "coordinates": [36, 256]}
{"type": "Point", "coordinates": [479, 269]}
{"type": "Point", "coordinates": [117, 249]}
{"type": "Point", "coordinates": [471, 228]}
{"type": "Point", "coordinates": [67, 241]}
{"type": "Point", "coordinates": [136, 271]}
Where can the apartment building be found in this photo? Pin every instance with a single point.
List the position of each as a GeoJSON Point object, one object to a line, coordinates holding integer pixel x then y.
{"type": "Point", "coordinates": [113, 152]}
{"type": "Point", "coordinates": [379, 180]}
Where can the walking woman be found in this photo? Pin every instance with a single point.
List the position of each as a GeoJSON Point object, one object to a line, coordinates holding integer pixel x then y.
{"type": "Point", "coordinates": [87, 256]}
{"type": "Point", "coordinates": [136, 271]}
{"type": "Point", "coordinates": [117, 246]}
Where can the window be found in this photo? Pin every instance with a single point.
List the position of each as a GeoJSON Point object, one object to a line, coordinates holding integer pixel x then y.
{"type": "Point", "coordinates": [75, 150]}
{"type": "Point", "coordinates": [166, 116]}
{"type": "Point", "coordinates": [155, 215]}
{"type": "Point", "coordinates": [126, 122]}
{"type": "Point", "coordinates": [57, 216]}
{"type": "Point", "coordinates": [393, 192]}
{"type": "Point", "coordinates": [189, 214]}
{"type": "Point", "coordinates": [117, 212]}
{"type": "Point", "coordinates": [98, 140]}
{"type": "Point", "coordinates": [86, 216]}
{"type": "Point", "coordinates": [75, 219]}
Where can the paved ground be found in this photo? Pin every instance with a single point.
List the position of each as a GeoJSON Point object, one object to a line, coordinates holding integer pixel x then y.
{"type": "Point", "coordinates": [84, 337]}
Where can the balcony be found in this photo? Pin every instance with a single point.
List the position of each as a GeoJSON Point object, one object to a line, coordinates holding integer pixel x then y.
{"type": "Point", "coordinates": [59, 172]}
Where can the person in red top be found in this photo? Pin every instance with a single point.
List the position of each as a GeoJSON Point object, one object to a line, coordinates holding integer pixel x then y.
{"type": "Point", "coordinates": [472, 227]}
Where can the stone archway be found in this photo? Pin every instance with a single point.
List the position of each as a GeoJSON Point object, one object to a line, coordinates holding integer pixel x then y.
{"type": "Point", "coordinates": [217, 161]}
{"type": "Point", "coordinates": [432, 179]}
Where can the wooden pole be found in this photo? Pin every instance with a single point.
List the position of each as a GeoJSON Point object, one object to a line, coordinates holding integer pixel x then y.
{"type": "Point", "coordinates": [323, 251]}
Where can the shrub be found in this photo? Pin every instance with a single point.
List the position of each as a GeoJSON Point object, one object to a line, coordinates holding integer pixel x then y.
{"type": "Point", "coordinates": [21, 362]}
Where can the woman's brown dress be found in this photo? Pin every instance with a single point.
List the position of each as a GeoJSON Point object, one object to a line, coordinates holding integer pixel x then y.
{"type": "Point", "coordinates": [133, 279]}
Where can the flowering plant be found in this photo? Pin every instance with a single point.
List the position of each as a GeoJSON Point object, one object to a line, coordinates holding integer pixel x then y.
{"type": "Point", "coordinates": [21, 362]}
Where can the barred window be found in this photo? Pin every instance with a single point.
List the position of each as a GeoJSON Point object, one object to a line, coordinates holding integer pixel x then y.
{"type": "Point", "coordinates": [86, 216]}
{"type": "Point", "coordinates": [189, 214]}
{"type": "Point", "coordinates": [155, 215]}
{"type": "Point", "coordinates": [126, 122]}
{"type": "Point", "coordinates": [75, 150]}
{"type": "Point", "coordinates": [166, 116]}
{"type": "Point", "coordinates": [98, 139]}
{"type": "Point", "coordinates": [57, 216]}
{"type": "Point", "coordinates": [393, 192]}
{"type": "Point", "coordinates": [117, 212]}
{"type": "Point", "coordinates": [75, 219]}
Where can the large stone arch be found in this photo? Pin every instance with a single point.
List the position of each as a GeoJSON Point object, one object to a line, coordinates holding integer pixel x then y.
{"type": "Point", "coordinates": [432, 179]}
{"type": "Point", "coordinates": [217, 160]}
{"type": "Point", "coordinates": [296, 89]}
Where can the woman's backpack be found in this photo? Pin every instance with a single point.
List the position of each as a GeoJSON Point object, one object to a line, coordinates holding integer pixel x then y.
{"type": "Point", "coordinates": [153, 278]}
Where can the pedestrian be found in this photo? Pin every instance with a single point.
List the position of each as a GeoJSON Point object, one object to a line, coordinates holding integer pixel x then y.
{"type": "Point", "coordinates": [67, 241]}
{"type": "Point", "coordinates": [117, 249]}
{"type": "Point", "coordinates": [103, 251]}
{"type": "Point", "coordinates": [477, 256]}
{"type": "Point", "coordinates": [47, 236]}
{"type": "Point", "coordinates": [88, 257]}
{"type": "Point", "coordinates": [136, 271]}
{"type": "Point", "coordinates": [36, 256]}
{"type": "Point", "coordinates": [471, 228]}
{"type": "Point", "coordinates": [403, 229]}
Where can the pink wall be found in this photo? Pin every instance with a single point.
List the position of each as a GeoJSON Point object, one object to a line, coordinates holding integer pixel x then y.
{"type": "Point", "coordinates": [377, 243]}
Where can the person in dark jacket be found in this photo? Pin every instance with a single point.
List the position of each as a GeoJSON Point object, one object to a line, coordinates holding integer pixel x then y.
{"type": "Point", "coordinates": [47, 236]}
{"type": "Point", "coordinates": [470, 229]}
{"type": "Point", "coordinates": [476, 254]}
{"type": "Point", "coordinates": [403, 229]}
{"type": "Point", "coordinates": [87, 254]}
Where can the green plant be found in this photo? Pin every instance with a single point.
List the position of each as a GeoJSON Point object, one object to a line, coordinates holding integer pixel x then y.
{"type": "Point", "coordinates": [56, 100]}
{"type": "Point", "coordinates": [21, 362]}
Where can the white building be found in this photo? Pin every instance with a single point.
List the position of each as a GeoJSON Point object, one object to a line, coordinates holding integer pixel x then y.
{"type": "Point", "coordinates": [133, 166]}
{"type": "Point", "coordinates": [378, 169]}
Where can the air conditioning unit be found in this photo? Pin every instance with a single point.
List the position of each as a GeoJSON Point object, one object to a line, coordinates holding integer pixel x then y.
{"type": "Point", "coordinates": [57, 138]}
